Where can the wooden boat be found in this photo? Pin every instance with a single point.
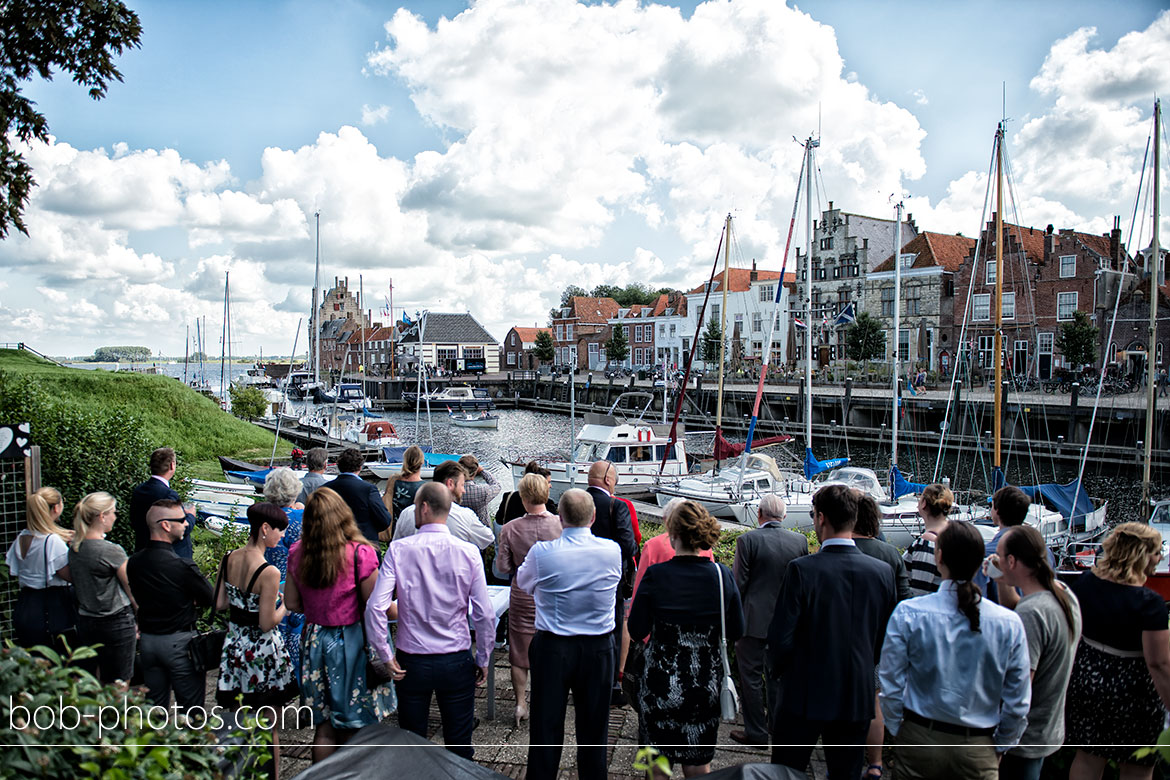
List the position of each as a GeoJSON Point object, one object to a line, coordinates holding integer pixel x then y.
{"type": "Point", "coordinates": [484, 419]}
{"type": "Point", "coordinates": [231, 464]}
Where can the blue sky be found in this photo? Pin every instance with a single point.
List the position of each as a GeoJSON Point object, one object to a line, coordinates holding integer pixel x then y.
{"type": "Point", "coordinates": [478, 179]}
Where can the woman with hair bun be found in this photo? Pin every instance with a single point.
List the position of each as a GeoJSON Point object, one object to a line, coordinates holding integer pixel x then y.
{"type": "Point", "coordinates": [678, 606]}
{"type": "Point", "coordinates": [39, 560]}
{"type": "Point", "coordinates": [103, 592]}
{"type": "Point", "coordinates": [1121, 676]}
{"type": "Point", "coordinates": [954, 671]}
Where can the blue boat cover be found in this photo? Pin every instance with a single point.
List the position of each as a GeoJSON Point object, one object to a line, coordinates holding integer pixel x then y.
{"type": "Point", "coordinates": [812, 466]}
{"type": "Point", "coordinates": [255, 477]}
{"type": "Point", "coordinates": [394, 454]}
{"type": "Point", "coordinates": [1071, 500]}
{"type": "Point", "coordinates": [899, 486]}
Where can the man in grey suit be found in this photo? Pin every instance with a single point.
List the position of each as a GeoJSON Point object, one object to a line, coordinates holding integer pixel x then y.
{"type": "Point", "coordinates": [761, 557]}
{"type": "Point", "coordinates": [316, 460]}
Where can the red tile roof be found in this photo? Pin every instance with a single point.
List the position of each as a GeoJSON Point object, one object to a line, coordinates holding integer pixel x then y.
{"type": "Point", "coordinates": [934, 249]}
{"type": "Point", "coordinates": [740, 279]}
{"type": "Point", "coordinates": [528, 335]}
{"type": "Point", "coordinates": [598, 310]}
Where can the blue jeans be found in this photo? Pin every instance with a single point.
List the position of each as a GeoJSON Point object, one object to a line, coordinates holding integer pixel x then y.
{"type": "Point", "coordinates": [451, 678]}
{"type": "Point", "coordinates": [1013, 767]}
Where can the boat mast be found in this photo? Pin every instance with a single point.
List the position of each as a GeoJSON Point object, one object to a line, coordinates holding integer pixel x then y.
{"type": "Point", "coordinates": [722, 333]}
{"type": "Point", "coordinates": [315, 315]}
{"type": "Point", "coordinates": [1153, 265]}
{"type": "Point", "coordinates": [997, 390]}
{"type": "Point", "coordinates": [223, 340]}
{"type": "Point", "coordinates": [897, 328]}
{"type": "Point", "coordinates": [284, 393]}
{"type": "Point", "coordinates": [186, 352]}
{"type": "Point", "coordinates": [811, 144]}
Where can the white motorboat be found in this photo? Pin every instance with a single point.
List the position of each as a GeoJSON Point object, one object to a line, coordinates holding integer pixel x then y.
{"type": "Point", "coordinates": [484, 419]}
{"type": "Point", "coordinates": [458, 397]}
{"type": "Point", "coordinates": [220, 503]}
{"type": "Point", "coordinates": [635, 446]}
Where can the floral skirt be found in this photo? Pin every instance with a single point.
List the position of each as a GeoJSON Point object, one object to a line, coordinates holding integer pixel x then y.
{"type": "Point", "coordinates": [1112, 707]}
{"type": "Point", "coordinates": [254, 669]}
{"type": "Point", "coordinates": [679, 697]}
{"type": "Point", "coordinates": [333, 678]}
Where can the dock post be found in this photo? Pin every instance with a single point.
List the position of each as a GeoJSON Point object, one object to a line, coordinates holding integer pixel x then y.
{"type": "Point", "coordinates": [846, 401]}
{"type": "Point", "coordinates": [1074, 397]}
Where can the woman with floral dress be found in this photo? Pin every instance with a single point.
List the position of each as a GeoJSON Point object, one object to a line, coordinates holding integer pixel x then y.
{"type": "Point", "coordinates": [331, 572]}
{"type": "Point", "coordinates": [254, 670]}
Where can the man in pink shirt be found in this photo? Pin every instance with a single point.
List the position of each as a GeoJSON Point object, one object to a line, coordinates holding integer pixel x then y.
{"type": "Point", "coordinates": [437, 578]}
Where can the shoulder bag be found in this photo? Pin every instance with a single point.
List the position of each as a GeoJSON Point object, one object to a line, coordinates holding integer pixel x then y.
{"type": "Point", "coordinates": [377, 674]}
{"type": "Point", "coordinates": [728, 696]}
{"type": "Point", "coordinates": [206, 648]}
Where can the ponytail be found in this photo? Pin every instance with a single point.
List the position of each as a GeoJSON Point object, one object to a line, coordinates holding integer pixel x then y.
{"type": "Point", "coordinates": [961, 549]}
{"type": "Point", "coordinates": [87, 512]}
{"type": "Point", "coordinates": [1027, 546]}
{"type": "Point", "coordinates": [39, 508]}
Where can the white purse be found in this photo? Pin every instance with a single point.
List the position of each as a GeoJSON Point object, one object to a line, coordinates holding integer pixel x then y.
{"type": "Point", "coordinates": [728, 696]}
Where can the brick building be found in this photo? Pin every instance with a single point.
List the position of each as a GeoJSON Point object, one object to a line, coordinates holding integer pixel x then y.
{"type": "Point", "coordinates": [581, 330]}
{"type": "Point", "coordinates": [338, 304]}
{"type": "Point", "coordinates": [517, 349]}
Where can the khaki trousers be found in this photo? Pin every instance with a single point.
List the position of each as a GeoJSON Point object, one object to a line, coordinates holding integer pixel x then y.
{"type": "Point", "coordinates": [926, 754]}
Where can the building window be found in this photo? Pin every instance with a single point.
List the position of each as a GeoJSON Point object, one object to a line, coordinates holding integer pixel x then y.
{"type": "Point", "coordinates": [569, 331]}
{"type": "Point", "coordinates": [827, 243]}
{"type": "Point", "coordinates": [767, 292]}
{"type": "Point", "coordinates": [1009, 306]}
{"type": "Point", "coordinates": [715, 311]}
{"type": "Point", "coordinates": [908, 259]}
{"type": "Point", "coordinates": [758, 347]}
{"type": "Point", "coordinates": [560, 332]}
{"type": "Point", "coordinates": [512, 338]}
{"type": "Point", "coordinates": [887, 301]}
{"type": "Point", "coordinates": [1158, 354]}
{"type": "Point", "coordinates": [904, 345]}
{"type": "Point", "coordinates": [986, 348]}
{"type": "Point", "coordinates": [673, 330]}
{"type": "Point", "coordinates": [1066, 304]}
{"type": "Point", "coordinates": [757, 322]}
{"type": "Point", "coordinates": [989, 278]}
{"type": "Point", "coordinates": [1068, 266]}
{"type": "Point", "coordinates": [627, 332]}
{"type": "Point", "coordinates": [511, 358]}
{"type": "Point", "coordinates": [592, 349]}
{"type": "Point", "coordinates": [913, 301]}
{"type": "Point", "coordinates": [661, 331]}
{"type": "Point", "coordinates": [981, 307]}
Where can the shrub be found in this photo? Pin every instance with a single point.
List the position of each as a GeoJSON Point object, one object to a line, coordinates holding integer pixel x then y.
{"type": "Point", "coordinates": [104, 743]}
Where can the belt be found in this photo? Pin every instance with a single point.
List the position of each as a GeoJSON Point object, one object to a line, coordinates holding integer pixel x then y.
{"type": "Point", "coordinates": [946, 728]}
{"type": "Point", "coordinates": [1112, 650]}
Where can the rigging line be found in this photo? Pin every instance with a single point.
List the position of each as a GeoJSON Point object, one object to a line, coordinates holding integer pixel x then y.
{"type": "Point", "coordinates": [966, 312]}
{"type": "Point", "coordinates": [1112, 326]}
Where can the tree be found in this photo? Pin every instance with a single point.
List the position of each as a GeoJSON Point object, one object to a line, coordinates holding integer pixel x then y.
{"type": "Point", "coordinates": [865, 339]}
{"type": "Point", "coordinates": [120, 354]}
{"type": "Point", "coordinates": [248, 401]}
{"type": "Point", "coordinates": [572, 291]}
{"type": "Point", "coordinates": [543, 348]}
{"type": "Point", "coordinates": [78, 37]}
{"type": "Point", "coordinates": [617, 348]}
{"type": "Point", "coordinates": [712, 338]}
{"type": "Point", "coordinates": [1077, 340]}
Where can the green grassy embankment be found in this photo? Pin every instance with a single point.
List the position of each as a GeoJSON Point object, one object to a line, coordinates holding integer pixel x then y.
{"type": "Point", "coordinates": [171, 414]}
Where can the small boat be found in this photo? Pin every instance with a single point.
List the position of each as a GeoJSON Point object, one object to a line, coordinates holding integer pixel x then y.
{"type": "Point", "coordinates": [231, 464]}
{"type": "Point", "coordinates": [222, 487]}
{"type": "Point", "coordinates": [256, 478]}
{"type": "Point", "coordinates": [459, 397]}
{"type": "Point", "coordinates": [391, 462]}
{"type": "Point", "coordinates": [220, 504]}
{"type": "Point", "coordinates": [376, 433]}
{"type": "Point", "coordinates": [484, 419]}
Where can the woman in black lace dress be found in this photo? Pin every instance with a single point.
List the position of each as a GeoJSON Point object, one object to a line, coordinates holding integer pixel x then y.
{"type": "Point", "coordinates": [677, 604]}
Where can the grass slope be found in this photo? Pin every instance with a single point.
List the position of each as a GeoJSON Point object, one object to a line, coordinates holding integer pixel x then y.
{"type": "Point", "coordinates": [171, 413]}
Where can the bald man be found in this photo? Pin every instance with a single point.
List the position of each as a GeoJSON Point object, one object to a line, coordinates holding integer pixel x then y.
{"type": "Point", "coordinates": [168, 590]}
{"type": "Point", "coordinates": [613, 522]}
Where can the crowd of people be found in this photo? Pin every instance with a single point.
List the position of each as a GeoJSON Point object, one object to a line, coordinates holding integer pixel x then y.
{"type": "Point", "coordinates": [955, 642]}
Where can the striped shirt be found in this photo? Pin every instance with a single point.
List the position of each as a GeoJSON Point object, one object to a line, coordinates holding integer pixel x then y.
{"type": "Point", "coordinates": [921, 568]}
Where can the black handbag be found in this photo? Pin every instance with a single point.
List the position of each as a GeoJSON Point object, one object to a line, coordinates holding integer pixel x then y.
{"type": "Point", "coordinates": [377, 674]}
{"type": "Point", "coordinates": [206, 648]}
{"type": "Point", "coordinates": [634, 673]}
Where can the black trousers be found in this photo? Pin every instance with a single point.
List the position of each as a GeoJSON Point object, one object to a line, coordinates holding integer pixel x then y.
{"type": "Point", "coordinates": [794, 737]}
{"type": "Point", "coordinates": [582, 665]}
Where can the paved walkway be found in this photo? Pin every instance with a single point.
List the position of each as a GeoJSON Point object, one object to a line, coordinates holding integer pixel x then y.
{"type": "Point", "coordinates": [502, 747]}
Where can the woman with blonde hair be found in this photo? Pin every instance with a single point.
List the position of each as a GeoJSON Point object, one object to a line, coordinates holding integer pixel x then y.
{"type": "Point", "coordinates": [331, 572]}
{"type": "Point", "coordinates": [678, 606]}
{"type": "Point", "coordinates": [1120, 681]}
{"type": "Point", "coordinates": [516, 539]}
{"type": "Point", "coordinates": [402, 486]}
{"type": "Point", "coordinates": [39, 559]}
{"type": "Point", "coordinates": [105, 605]}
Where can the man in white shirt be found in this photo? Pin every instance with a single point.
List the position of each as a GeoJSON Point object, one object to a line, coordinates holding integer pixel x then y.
{"type": "Point", "coordinates": [462, 522]}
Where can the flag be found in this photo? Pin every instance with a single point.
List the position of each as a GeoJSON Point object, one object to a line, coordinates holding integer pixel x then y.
{"type": "Point", "coordinates": [847, 316]}
{"type": "Point", "coordinates": [405, 319]}
{"type": "Point", "coordinates": [797, 322]}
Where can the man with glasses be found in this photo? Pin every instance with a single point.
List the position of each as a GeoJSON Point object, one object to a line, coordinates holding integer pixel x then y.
{"type": "Point", "coordinates": [613, 522]}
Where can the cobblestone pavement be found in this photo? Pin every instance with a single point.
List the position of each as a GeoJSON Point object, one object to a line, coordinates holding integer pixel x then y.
{"type": "Point", "coordinates": [500, 746]}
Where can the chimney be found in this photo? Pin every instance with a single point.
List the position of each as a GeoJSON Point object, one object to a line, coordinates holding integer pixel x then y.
{"type": "Point", "coordinates": [1115, 243]}
{"type": "Point", "coordinates": [1049, 244]}
{"type": "Point", "coordinates": [830, 205]}
{"type": "Point", "coordinates": [754, 274]}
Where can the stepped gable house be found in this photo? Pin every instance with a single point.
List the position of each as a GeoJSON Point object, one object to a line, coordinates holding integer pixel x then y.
{"type": "Point", "coordinates": [339, 304]}
{"type": "Point", "coordinates": [929, 263]}
{"type": "Point", "coordinates": [517, 349]}
{"type": "Point", "coordinates": [581, 330]}
{"type": "Point", "coordinates": [846, 248]}
{"type": "Point", "coordinates": [453, 342]}
{"type": "Point", "coordinates": [1048, 275]}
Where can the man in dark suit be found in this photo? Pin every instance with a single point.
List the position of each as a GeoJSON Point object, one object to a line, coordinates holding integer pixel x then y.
{"type": "Point", "coordinates": [613, 522]}
{"type": "Point", "coordinates": [363, 499]}
{"type": "Point", "coordinates": [825, 640]}
{"type": "Point", "coordinates": [761, 557]}
{"type": "Point", "coordinates": [158, 488]}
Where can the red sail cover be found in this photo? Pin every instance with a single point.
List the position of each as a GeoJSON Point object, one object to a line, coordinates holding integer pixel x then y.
{"type": "Point", "coordinates": [725, 449]}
